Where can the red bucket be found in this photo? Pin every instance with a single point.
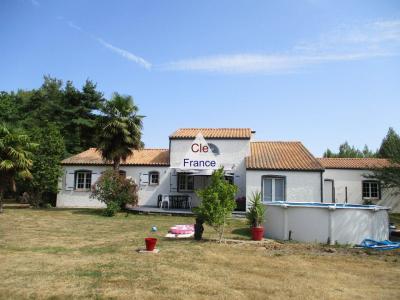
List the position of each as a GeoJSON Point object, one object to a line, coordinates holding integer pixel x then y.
{"type": "Point", "coordinates": [257, 233]}
{"type": "Point", "coordinates": [150, 243]}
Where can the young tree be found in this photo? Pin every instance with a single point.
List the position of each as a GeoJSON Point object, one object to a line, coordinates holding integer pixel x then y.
{"type": "Point", "coordinates": [120, 129]}
{"type": "Point", "coordinates": [218, 202]}
{"type": "Point", "coordinates": [15, 158]}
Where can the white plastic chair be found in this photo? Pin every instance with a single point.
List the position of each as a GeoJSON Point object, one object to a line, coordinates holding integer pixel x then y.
{"type": "Point", "coordinates": [165, 199]}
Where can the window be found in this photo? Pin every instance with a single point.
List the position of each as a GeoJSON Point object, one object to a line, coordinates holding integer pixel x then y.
{"type": "Point", "coordinates": [122, 173]}
{"type": "Point", "coordinates": [230, 179]}
{"type": "Point", "coordinates": [154, 178]}
{"type": "Point", "coordinates": [83, 180]}
{"type": "Point", "coordinates": [273, 189]}
{"type": "Point", "coordinates": [371, 190]}
{"type": "Point", "coordinates": [185, 182]}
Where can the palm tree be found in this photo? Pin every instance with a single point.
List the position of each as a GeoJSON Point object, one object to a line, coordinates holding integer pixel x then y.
{"type": "Point", "coordinates": [15, 159]}
{"type": "Point", "coordinates": [121, 129]}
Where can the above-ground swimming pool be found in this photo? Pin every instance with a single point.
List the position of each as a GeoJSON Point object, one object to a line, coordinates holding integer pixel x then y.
{"type": "Point", "coordinates": [326, 222]}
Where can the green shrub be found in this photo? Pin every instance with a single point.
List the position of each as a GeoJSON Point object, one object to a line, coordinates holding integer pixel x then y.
{"type": "Point", "coordinates": [255, 214]}
{"type": "Point", "coordinates": [115, 191]}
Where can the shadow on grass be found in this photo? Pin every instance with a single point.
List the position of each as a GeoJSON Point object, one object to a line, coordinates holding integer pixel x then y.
{"type": "Point", "coordinates": [87, 211]}
{"type": "Point", "coordinates": [16, 206]}
{"type": "Point", "coordinates": [244, 231]}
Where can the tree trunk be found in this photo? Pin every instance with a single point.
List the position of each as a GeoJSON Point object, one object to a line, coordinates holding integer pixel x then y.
{"type": "Point", "coordinates": [221, 234]}
{"type": "Point", "coordinates": [117, 162]}
{"type": "Point", "coordinates": [198, 229]}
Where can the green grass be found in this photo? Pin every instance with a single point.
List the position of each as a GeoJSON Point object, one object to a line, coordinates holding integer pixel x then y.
{"type": "Point", "coordinates": [77, 253]}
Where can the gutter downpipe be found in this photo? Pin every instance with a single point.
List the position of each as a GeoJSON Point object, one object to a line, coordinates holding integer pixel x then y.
{"type": "Point", "coordinates": [322, 186]}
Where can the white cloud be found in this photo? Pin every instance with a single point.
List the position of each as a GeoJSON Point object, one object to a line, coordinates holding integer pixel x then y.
{"type": "Point", "coordinates": [126, 54]}
{"type": "Point", "coordinates": [74, 26]}
{"type": "Point", "coordinates": [121, 52]}
{"type": "Point", "coordinates": [346, 43]}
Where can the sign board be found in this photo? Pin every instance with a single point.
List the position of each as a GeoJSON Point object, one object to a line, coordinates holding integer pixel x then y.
{"type": "Point", "coordinates": [199, 156]}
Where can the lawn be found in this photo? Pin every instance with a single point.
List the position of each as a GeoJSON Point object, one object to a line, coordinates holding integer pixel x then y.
{"type": "Point", "coordinates": [63, 254]}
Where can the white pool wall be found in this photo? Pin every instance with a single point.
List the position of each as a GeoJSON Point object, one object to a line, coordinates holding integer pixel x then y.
{"type": "Point", "coordinates": [326, 224]}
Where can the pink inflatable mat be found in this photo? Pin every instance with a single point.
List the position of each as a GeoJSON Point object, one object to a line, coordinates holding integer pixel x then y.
{"type": "Point", "coordinates": [182, 229]}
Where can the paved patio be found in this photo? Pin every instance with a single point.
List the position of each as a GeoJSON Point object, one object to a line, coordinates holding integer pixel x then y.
{"type": "Point", "coordinates": [148, 210]}
{"type": "Point", "coordinates": [161, 211]}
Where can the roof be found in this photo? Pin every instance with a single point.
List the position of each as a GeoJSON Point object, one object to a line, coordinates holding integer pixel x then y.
{"type": "Point", "coordinates": [144, 157]}
{"type": "Point", "coordinates": [354, 163]}
{"type": "Point", "coordinates": [281, 156]}
{"type": "Point", "coordinates": [212, 133]}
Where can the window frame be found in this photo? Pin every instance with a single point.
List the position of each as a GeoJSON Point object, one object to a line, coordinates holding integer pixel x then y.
{"type": "Point", "coordinates": [151, 174]}
{"type": "Point", "coordinates": [87, 175]}
{"type": "Point", "coordinates": [370, 182]}
{"type": "Point", "coordinates": [273, 177]}
{"type": "Point", "coordinates": [186, 182]}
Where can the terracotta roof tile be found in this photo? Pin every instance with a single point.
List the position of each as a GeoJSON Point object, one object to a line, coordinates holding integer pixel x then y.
{"type": "Point", "coordinates": [353, 163]}
{"type": "Point", "coordinates": [145, 157]}
{"type": "Point", "coordinates": [212, 133]}
{"type": "Point", "coordinates": [281, 156]}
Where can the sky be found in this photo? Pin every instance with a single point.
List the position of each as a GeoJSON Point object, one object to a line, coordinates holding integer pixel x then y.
{"type": "Point", "coordinates": [320, 72]}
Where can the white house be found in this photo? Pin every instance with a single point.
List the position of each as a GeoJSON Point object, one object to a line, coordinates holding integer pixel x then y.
{"type": "Point", "coordinates": [346, 181]}
{"type": "Point", "coordinates": [282, 171]}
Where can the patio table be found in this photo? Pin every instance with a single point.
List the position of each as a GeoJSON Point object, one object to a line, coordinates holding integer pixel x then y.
{"type": "Point", "coordinates": [178, 201]}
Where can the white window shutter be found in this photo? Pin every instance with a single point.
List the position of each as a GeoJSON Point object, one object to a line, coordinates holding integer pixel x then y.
{"type": "Point", "coordinates": [69, 181]}
{"type": "Point", "coordinates": [144, 178]}
{"type": "Point", "coordinates": [95, 177]}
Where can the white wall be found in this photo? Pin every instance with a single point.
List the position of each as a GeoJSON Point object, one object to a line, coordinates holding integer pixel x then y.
{"type": "Point", "coordinates": [300, 186]}
{"type": "Point", "coordinates": [323, 225]}
{"type": "Point", "coordinates": [232, 153]}
{"type": "Point", "coordinates": [352, 179]}
{"type": "Point", "coordinates": [68, 197]}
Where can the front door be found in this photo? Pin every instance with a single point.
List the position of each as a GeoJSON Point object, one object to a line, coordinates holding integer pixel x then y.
{"type": "Point", "coordinates": [329, 191]}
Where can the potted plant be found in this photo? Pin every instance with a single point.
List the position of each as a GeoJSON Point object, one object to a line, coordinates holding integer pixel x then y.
{"type": "Point", "coordinates": [255, 217]}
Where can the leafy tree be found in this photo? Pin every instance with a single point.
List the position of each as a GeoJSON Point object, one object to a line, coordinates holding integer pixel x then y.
{"type": "Point", "coordinates": [46, 168]}
{"type": "Point", "coordinates": [15, 158]}
{"type": "Point", "coordinates": [390, 175]}
{"type": "Point", "coordinates": [73, 111]}
{"type": "Point", "coordinates": [368, 152]}
{"type": "Point", "coordinates": [9, 108]}
{"type": "Point", "coordinates": [347, 151]}
{"type": "Point", "coordinates": [121, 129]}
{"type": "Point", "coordinates": [115, 191]}
{"type": "Point", "coordinates": [390, 146]}
{"type": "Point", "coordinates": [218, 202]}
{"type": "Point", "coordinates": [81, 116]}
{"type": "Point", "coordinates": [329, 153]}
